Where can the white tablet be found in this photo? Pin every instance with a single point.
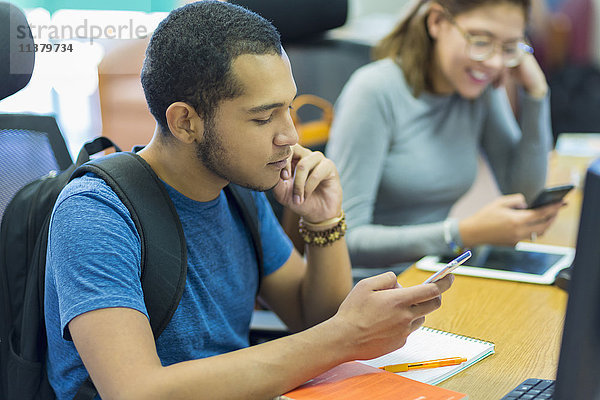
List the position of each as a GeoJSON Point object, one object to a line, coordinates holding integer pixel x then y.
{"type": "Point", "coordinates": [526, 262]}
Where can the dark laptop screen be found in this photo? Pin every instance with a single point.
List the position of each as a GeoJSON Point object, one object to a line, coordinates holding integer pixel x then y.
{"type": "Point", "coordinates": [578, 374]}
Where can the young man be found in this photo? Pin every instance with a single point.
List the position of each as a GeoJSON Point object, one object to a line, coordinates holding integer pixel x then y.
{"type": "Point", "coordinates": [219, 86]}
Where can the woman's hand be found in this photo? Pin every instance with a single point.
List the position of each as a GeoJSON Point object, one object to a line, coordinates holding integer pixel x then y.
{"type": "Point", "coordinates": [506, 221]}
{"type": "Point", "coordinates": [530, 76]}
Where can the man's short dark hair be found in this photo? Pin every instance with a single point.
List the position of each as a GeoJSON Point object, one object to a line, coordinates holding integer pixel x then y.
{"type": "Point", "coordinates": [190, 53]}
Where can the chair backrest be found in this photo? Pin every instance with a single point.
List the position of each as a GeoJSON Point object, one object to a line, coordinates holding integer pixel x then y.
{"type": "Point", "coordinates": [16, 65]}
{"type": "Point", "coordinates": [299, 19]}
{"type": "Point", "coordinates": [31, 146]}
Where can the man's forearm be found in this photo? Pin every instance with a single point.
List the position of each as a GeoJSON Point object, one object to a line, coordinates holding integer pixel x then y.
{"type": "Point", "coordinates": [118, 349]}
{"type": "Point", "coordinates": [327, 282]}
{"type": "Point", "coordinates": [259, 372]}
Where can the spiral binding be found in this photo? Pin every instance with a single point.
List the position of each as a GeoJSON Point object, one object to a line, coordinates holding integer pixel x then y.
{"type": "Point", "coordinates": [463, 337]}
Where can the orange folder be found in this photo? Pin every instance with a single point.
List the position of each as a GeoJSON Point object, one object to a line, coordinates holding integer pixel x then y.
{"type": "Point", "coordinates": [354, 380]}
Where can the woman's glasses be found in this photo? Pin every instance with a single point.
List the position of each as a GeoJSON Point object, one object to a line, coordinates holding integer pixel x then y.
{"type": "Point", "coordinates": [483, 47]}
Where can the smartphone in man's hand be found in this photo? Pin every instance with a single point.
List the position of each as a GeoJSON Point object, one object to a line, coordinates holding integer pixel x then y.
{"type": "Point", "coordinates": [451, 266]}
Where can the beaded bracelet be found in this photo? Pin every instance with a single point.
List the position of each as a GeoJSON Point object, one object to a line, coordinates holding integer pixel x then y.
{"type": "Point", "coordinates": [326, 237]}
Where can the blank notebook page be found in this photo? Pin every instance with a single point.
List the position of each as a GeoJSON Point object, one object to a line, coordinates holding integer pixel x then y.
{"type": "Point", "coordinates": [427, 344]}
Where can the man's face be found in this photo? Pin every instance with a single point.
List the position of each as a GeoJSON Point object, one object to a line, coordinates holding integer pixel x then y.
{"type": "Point", "coordinates": [248, 140]}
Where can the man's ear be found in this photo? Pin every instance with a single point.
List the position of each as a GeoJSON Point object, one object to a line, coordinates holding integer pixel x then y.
{"type": "Point", "coordinates": [435, 17]}
{"type": "Point", "coordinates": [184, 122]}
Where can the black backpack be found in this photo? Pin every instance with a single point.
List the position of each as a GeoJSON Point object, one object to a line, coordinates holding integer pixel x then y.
{"type": "Point", "coordinates": [23, 241]}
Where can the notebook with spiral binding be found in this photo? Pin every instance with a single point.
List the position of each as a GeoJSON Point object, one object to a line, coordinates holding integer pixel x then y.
{"type": "Point", "coordinates": [430, 344]}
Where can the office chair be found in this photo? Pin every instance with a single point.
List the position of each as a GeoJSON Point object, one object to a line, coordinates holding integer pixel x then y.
{"type": "Point", "coordinates": [30, 145]}
{"type": "Point", "coordinates": [298, 19]}
{"type": "Point", "coordinates": [15, 66]}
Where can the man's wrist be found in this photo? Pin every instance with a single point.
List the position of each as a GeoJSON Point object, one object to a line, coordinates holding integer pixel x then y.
{"type": "Point", "coordinates": [323, 225]}
{"type": "Point", "coordinates": [333, 333]}
{"type": "Point", "coordinates": [323, 233]}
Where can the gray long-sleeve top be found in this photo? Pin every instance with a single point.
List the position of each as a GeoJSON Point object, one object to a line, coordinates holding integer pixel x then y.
{"type": "Point", "coordinates": [405, 161]}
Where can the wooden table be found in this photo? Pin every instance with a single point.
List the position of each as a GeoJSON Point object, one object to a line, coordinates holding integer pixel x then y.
{"type": "Point", "coordinates": [523, 320]}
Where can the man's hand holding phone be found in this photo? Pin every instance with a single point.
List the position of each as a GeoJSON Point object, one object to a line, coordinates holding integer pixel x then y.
{"type": "Point", "coordinates": [378, 314]}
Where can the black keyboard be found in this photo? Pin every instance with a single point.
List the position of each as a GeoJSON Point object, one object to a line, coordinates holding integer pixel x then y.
{"type": "Point", "coordinates": [532, 389]}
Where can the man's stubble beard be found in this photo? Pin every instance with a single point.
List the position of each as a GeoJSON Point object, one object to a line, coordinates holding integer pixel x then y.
{"type": "Point", "coordinates": [212, 154]}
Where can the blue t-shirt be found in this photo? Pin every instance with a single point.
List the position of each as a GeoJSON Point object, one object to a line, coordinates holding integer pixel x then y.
{"type": "Point", "coordinates": [93, 262]}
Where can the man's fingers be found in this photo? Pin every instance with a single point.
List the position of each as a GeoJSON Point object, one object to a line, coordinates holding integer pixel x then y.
{"type": "Point", "coordinates": [413, 295]}
{"type": "Point", "coordinates": [422, 299]}
{"type": "Point", "coordinates": [426, 307]}
{"type": "Point", "coordinates": [416, 324]}
{"type": "Point", "coordinates": [383, 281]}
{"type": "Point", "coordinates": [300, 151]}
{"type": "Point", "coordinates": [303, 168]}
{"type": "Point", "coordinates": [323, 170]}
{"type": "Point", "coordinates": [445, 283]}
{"type": "Point", "coordinates": [286, 172]}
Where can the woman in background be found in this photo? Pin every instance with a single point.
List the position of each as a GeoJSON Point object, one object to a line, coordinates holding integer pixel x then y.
{"type": "Point", "coordinates": [409, 128]}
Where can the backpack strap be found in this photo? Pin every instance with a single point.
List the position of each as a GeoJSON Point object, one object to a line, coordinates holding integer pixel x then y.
{"type": "Point", "coordinates": [163, 248]}
{"type": "Point", "coordinates": [142, 192]}
{"type": "Point", "coordinates": [247, 206]}
{"type": "Point", "coordinates": [163, 269]}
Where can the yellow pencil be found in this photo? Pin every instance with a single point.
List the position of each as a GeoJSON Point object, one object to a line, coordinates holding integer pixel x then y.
{"type": "Point", "coordinates": [443, 362]}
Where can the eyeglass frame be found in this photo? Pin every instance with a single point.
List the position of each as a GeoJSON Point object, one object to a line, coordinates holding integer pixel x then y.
{"type": "Point", "coordinates": [521, 44]}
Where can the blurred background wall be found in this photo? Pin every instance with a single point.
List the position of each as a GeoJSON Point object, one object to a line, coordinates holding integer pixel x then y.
{"type": "Point", "coordinates": [95, 88]}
